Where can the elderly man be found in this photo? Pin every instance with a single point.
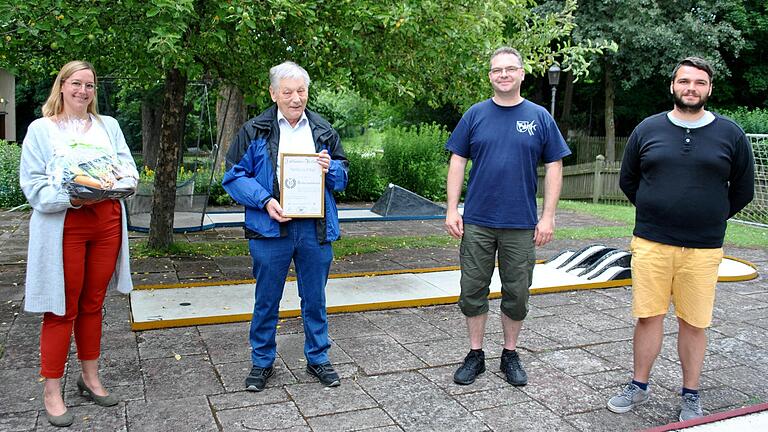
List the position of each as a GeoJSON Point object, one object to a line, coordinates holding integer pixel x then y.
{"type": "Point", "coordinates": [686, 171]}
{"type": "Point", "coordinates": [253, 170]}
{"type": "Point", "coordinates": [505, 137]}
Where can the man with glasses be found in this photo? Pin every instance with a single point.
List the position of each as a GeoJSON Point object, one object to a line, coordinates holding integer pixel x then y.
{"type": "Point", "coordinates": [505, 137]}
{"type": "Point", "coordinates": [686, 171]}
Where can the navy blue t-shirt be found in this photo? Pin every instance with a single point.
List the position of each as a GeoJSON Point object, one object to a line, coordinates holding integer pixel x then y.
{"type": "Point", "coordinates": [505, 145]}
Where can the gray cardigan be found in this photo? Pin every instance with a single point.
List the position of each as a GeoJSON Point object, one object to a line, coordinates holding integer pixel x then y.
{"type": "Point", "coordinates": [44, 290]}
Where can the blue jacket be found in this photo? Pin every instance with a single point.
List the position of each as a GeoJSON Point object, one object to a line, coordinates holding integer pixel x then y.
{"type": "Point", "coordinates": [251, 178]}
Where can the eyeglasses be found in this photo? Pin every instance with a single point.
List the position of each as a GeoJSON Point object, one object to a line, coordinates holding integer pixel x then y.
{"type": "Point", "coordinates": [508, 70]}
{"type": "Point", "coordinates": [77, 85]}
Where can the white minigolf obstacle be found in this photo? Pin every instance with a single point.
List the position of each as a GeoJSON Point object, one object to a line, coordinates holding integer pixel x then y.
{"type": "Point", "coordinates": [594, 266]}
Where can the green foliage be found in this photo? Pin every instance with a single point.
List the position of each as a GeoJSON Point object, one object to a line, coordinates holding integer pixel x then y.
{"type": "Point", "coordinates": [10, 190]}
{"type": "Point", "coordinates": [752, 121]}
{"type": "Point", "coordinates": [653, 36]}
{"type": "Point", "coordinates": [415, 158]}
{"type": "Point", "coordinates": [201, 176]}
{"type": "Point", "coordinates": [365, 180]}
{"type": "Point", "coordinates": [344, 109]}
{"type": "Point", "coordinates": [369, 142]}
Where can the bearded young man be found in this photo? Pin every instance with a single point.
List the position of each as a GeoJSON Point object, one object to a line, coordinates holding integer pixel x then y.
{"type": "Point", "coordinates": [686, 171]}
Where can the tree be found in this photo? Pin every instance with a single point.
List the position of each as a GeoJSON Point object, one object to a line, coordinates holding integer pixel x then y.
{"type": "Point", "coordinates": [432, 50]}
{"type": "Point", "coordinates": [652, 36]}
{"type": "Point", "coordinates": [749, 84]}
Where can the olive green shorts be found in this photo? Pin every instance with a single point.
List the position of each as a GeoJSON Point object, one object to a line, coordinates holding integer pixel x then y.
{"type": "Point", "coordinates": [517, 256]}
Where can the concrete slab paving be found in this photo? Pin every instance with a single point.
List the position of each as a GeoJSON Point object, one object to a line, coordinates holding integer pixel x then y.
{"type": "Point", "coordinates": [183, 413]}
{"type": "Point", "coordinates": [313, 402]}
{"type": "Point", "coordinates": [396, 365]}
{"type": "Point", "coordinates": [368, 419]}
{"type": "Point", "coordinates": [281, 416]}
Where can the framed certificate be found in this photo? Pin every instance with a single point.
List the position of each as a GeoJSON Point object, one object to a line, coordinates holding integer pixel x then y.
{"type": "Point", "coordinates": [302, 186]}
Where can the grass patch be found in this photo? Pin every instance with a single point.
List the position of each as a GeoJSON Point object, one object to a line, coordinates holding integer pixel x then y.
{"type": "Point", "coordinates": [201, 249]}
{"type": "Point", "coordinates": [360, 245]}
{"type": "Point", "coordinates": [369, 142]}
{"type": "Point", "coordinates": [736, 234]}
{"type": "Point", "coordinates": [618, 213]}
{"type": "Point", "coordinates": [344, 247]}
{"type": "Point", "coordinates": [744, 235]}
{"type": "Point", "coordinates": [593, 232]}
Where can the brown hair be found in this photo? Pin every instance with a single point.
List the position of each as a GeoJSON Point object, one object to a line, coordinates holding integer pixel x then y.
{"type": "Point", "coordinates": [695, 62]}
{"type": "Point", "coordinates": [55, 102]}
{"type": "Point", "coordinates": [507, 50]}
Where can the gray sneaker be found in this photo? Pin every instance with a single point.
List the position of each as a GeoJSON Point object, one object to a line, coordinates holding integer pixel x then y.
{"type": "Point", "coordinates": [630, 396]}
{"type": "Point", "coordinates": [690, 407]}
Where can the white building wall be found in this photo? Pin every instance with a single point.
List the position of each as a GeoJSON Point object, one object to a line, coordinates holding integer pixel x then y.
{"type": "Point", "coordinates": [8, 92]}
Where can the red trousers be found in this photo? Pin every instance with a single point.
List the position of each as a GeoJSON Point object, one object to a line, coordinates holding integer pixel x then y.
{"type": "Point", "coordinates": [92, 237]}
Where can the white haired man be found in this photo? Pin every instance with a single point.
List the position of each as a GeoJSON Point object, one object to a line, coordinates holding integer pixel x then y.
{"type": "Point", "coordinates": [275, 240]}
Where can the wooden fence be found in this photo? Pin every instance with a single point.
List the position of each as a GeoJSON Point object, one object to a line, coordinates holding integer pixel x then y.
{"type": "Point", "coordinates": [597, 181]}
{"type": "Point", "coordinates": [586, 148]}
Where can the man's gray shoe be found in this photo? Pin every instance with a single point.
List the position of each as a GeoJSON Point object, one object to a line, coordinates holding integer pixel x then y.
{"type": "Point", "coordinates": [513, 370]}
{"type": "Point", "coordinates": [690, 407]}
{"type": "Point", "coordinates": [474, 365]}
{"type": "Point", "coordinates": [629, 397]}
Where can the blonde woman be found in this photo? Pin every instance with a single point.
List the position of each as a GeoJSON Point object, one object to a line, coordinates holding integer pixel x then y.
{"type": "Point", "coordinates": [77, 247]}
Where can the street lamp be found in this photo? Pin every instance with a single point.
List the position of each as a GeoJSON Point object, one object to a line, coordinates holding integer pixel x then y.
{"type": "Point", "coordinates": [554, 78]}
{"type": "Point", "coordinates": [3, 105]}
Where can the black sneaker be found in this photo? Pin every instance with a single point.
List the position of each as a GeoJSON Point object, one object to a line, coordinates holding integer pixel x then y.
{"type": "Point", "coordinates": [474, 365]}
{"type": "Point", "coordinates": [257, 379]}
{"type": "Point", "coordinates": [513, 370]}
{"type": "Point", "coordinates": [325, 373]}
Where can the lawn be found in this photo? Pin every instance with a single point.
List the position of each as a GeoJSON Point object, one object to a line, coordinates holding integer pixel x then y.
{"type": "Point", "coordinates": [736, 235]}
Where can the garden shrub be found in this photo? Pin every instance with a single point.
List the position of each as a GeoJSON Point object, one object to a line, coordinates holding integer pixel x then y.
{"type": "Point", "coordinates": [365, 181]}
{"type": "Point", "coordinates": [10, 190]}
{"type": "Point", "coordinates": [202, 175]}
{"type": "Point", "coordinates": [752, 121]}
{"type": "Point", "coordinates": [415, 158]}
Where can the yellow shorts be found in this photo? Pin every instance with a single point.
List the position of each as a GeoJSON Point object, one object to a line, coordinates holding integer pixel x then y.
{"type": "Point", "coordinates": [687, 276]}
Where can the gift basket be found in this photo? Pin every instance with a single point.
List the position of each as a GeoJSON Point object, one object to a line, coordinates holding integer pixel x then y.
{"type": "Point", "coordinates": [88, 171]}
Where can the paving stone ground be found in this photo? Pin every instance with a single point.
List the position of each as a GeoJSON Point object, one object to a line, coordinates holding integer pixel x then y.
{"type": "Point", "coordinates": [396, 365]}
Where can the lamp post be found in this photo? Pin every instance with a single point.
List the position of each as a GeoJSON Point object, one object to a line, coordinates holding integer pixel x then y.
{"type": "Point", "coordinates": [3, 104]}
{"type": "Point", "coordinates": [554, 78]}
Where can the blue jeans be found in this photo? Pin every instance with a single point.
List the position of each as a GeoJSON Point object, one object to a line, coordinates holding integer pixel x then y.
{"type": "Point", "coordinates": [271, 260]}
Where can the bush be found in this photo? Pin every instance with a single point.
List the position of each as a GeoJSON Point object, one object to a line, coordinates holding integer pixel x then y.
{"type": "Point", "coordinates": [753, 122]}
{"type": "Point", "coordinates": [365, 181]}
{"type": "Point", "coordinates": [347, 111]}
{"type": "Point", "coordinates": [202, 175]}
{"type": "Point", "coordinates": [415, 159]}
{"type": "Point", "coordinates": [10, 190]}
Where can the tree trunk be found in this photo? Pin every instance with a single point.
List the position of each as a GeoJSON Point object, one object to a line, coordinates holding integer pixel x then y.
{"type": "Point", "coordinates": [565, 118]}
{"type": "Point", "coordinates": [164, 199]}
{"type": "Point", "coordinates": [610, 126]}
{"type": "Point", "coordinates": [151, 116]}
{"type": "Point", "coordinates": [181, 132]}
{"type": "Point", "coordinates": [230, 115]}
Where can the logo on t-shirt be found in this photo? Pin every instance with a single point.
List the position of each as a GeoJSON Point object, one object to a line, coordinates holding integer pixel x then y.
{"type": "Point", "coordinates": [526, 126]}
